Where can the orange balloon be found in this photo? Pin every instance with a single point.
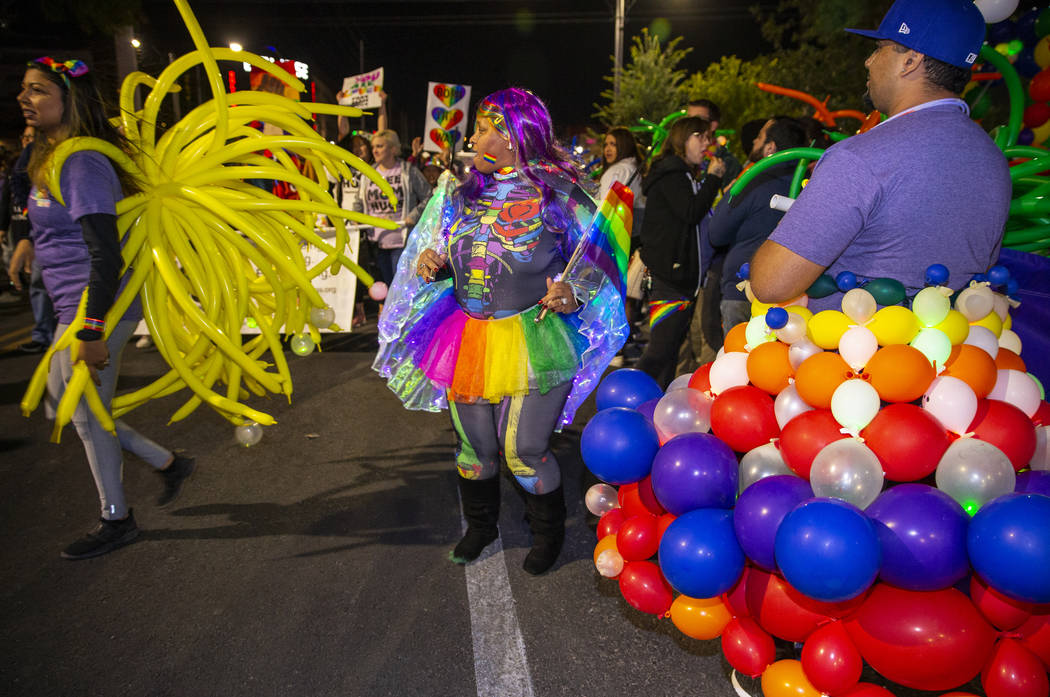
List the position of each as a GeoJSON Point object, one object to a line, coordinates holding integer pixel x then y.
{"type": "Point", "coordinates": [736, 339]}
{"type": "Point", "coordinates": [700, 618]}
{"type": "Point", "coordinates": [786, 679]}
{"type": "Point", "coordinates": [900, 373]}
{"type": "Point", "coordinates": [973, 366]}
{"type": "Point", "coordinates": [819, 375]}
{"type": "Point", "coordinates": [1008, 360]}
{"type": "Point", "coordinates": [606, 543]}
{"type": "Point", "coordinates": [768, 367]}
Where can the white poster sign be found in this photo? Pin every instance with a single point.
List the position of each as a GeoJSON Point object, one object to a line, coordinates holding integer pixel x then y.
{"type": "Point", "coordinates": [362, 90]}
{"type": "Point", "coordinates": [446, 119]}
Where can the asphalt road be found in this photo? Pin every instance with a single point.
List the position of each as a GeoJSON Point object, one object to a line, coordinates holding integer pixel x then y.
{"type": "Point", "coordinates": [314, 563]}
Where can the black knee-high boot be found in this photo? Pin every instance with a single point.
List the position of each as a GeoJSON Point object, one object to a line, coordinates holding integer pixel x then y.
{"type": "Point", "coordinates": [481, 509]}
{"type": "Point", "coordinates": [546, 515]}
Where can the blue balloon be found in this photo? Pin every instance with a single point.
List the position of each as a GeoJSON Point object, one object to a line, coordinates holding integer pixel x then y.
{"type": "Point", "coordinates": [922, 535]}
{"type": "Point", "coordinates": [759, 512]}
{"type": "Point", "coordinates": [998, 275]}
{"type": "Point", "coordinates": [828, 549]}
{"type": "Point", "coordinates": [744, 271]}
{"type": "Point", "coordinates": [776, 317]}
{"type": "Point", "coordinates": [618, 445]}
{"type": "Point", "coordinates": [1009, 545]}
{"type": "Point", "coordinates": [699, 554]}
{"type": "Point", "coordinates": [846, 280]}
{"type": "Point", "coordinates": [695, 470]}
{"type": "Point", "coordinates": [626, 387]}
{"type": "Point", "coordinates": [1033, 482]}
{"type": "Point", "coordinates": [936, 275]}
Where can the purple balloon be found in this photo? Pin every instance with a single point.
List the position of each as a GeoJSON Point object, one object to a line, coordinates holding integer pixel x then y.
{"type": "Point", "coordinates": [1033, 482]}
{"type": "Point", "coordinates": [759, 512]}
{"type": "Point", "coordinates": [694, 470]}
{"type": "Point", "coordinates": [648, 409]}
{"type": "Point", "coordinates": [922, 533]}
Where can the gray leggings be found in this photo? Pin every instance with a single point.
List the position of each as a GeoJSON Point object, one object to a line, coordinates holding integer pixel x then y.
{"type": "Point", "coordinates": [520, 428]}
{"type": "Point", "coordinates": [103, 450]}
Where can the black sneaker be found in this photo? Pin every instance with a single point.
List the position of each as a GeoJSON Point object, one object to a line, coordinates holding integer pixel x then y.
{"type": "Point", "coordinates": [107, 536]}
{"type": "Point", "coordinates": [32, 347]}
{"type": "Point", "coordinates": [174, 475]}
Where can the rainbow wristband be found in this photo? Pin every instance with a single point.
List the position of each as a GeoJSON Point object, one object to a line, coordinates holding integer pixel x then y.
{"type": "Point", "coordinates": [95, 325]}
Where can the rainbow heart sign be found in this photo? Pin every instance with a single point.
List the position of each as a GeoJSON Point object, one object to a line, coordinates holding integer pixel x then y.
{"type": "Point", "coordinates": [444, 139]}
{"type": "Point", "coordinates": [449, 94]}
{"type": "Point", "coordinates": [446, 117]}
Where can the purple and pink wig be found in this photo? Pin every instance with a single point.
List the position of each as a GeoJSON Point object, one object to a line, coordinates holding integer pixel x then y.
{"type": "Point", "coordinates": [527, 123]}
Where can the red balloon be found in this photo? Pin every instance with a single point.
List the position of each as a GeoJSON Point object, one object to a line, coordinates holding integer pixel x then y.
{"type": "Point", "coordinates": [701, 379]}
{"type": "Point", "coordinates": [631, 500]}
{"type": "Point", "coordinates": [787, 613]}
{"type": "Point", "coordinates": [866, 689]}
{"type": "Point", "coordinates": [1035, 636]}
{"type": "Point", "coordinates": [747, 647]}
{"type": "Point", "coordinates": [1039, 87]}
{"type": "Point", "coordinates": [1014, 671]}
{"type": "Point", "coordinates": [805, 436]}
{"type": "Point", "coordinates": [645, 588]}
{"type": "Point", "coordinates": [1036, 114]}
{"type": "Point", "coordinates": [830, 660]}
{"type": "Point", "coordinates": [1007, 428]}
{"type": "Point", "coordinates": [743, 418]}
{"type": "Point", "coordinates": [637, 538]}
{"type": "Point", "coordinates": [645, 493]}
{"type": "Point", "coordinates": [1003, 612]}
{"type": "Point", "coordinates": [927, 640]}
{"type": "Point", "coordinates": [610, 522]}
{"type": "Point", "coordinates": [736, 597]}
{"type": "Point", "coordinates": [908, 441]}
{"type": "Point", "coordinates": [1041, 417]}
{"type": "Point", "coordinates": [664, 522]}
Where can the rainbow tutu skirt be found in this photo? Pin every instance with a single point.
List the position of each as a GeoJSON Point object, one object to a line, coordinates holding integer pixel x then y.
{"type": "Point", "coordinates": [488, 359]}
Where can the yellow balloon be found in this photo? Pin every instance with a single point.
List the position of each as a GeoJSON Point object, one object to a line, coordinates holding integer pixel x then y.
{"type": "Point", "coordinates": [955, 326]}
{"type": "Point", "coordinates": [827, 327]}
{"type": "Point", "coordinates": [894, 325]}
{"type": "Point", "coordinates": [1008, 323]}
{"type": "Point", "coordinates": [758, 308]}
{"type": "Point", "coordinates": [1042, 134]}
{"type": "Point", "coordinates": [700, 618]}
{"type": "Point", "coordinates": [1041, 54]}
{"type": "Point", "coordinates": [803, 312]}
{"type": "Point", "coordinates": [990, 321]}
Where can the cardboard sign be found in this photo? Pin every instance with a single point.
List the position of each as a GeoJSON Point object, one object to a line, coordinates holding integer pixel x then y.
{"type": "Point", "coordinates": [362, 90]}
{"type": "Point", "coordinates": [447, 117]}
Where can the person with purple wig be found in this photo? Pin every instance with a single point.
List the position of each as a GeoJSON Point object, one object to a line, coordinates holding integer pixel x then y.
{"type": "Point", "coordinates": [480, 319]}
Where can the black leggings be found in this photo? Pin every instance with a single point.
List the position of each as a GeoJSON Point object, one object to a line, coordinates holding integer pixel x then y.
{"type": "Point", "coordinates": [518, 427]}
{"type": "Point", "coordinates": [666, 336]}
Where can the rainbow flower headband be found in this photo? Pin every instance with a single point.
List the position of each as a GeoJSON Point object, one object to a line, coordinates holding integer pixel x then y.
{"type": "Point", "coordinates": [492, 112]}
{"type": "Point", "coordinates": [74, 67]}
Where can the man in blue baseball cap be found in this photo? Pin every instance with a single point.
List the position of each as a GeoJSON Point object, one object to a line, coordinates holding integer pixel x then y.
{"type": "Point", "coordinates": [925, 186]}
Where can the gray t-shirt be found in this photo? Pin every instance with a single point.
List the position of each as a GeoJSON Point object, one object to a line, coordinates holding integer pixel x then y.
{"type": "Point", "coordinates": [926, 187]}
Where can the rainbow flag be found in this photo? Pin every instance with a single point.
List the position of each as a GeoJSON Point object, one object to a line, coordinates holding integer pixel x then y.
{"type": "Point", "coordinates": [607, 242]}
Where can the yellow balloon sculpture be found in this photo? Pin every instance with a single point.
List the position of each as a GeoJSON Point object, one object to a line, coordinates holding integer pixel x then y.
{"type": "Point", "coordinates": [204, 249]}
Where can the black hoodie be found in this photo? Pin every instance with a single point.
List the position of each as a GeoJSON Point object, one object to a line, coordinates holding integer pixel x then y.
{"type": "Point", "coordinates": [672, 213]}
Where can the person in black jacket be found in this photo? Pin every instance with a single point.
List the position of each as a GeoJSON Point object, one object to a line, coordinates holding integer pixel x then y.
{"type": "Point", "coordinates": [740, 224]}
{"type": "Point", "coordinates": [675, 204]}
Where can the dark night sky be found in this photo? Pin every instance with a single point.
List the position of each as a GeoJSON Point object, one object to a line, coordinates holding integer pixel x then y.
{"type": "Point", "coordinates": [558, 48]}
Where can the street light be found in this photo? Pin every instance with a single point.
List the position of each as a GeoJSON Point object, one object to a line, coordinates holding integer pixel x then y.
{"type": "Point", "coordinates": [136, 43]}
{"type": "Point", "coordinates": [234, 46]}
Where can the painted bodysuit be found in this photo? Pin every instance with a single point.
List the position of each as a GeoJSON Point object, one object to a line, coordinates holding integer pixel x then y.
{"type": "Point", "coordinates": [471, 342]}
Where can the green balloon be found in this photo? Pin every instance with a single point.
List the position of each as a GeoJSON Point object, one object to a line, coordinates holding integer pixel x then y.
{"type": "Point", "coordinates": [886, 291]}
{"type": "Point", "coordinates": [980, 102]}
{"type": "Point", "coordinates": [822, 287]}
{"type": "Point", "coordinates": [1042, 23]}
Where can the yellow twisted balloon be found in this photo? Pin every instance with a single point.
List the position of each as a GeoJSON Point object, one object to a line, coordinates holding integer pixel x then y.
{"type": "Point", "coordinates": [205, 250]}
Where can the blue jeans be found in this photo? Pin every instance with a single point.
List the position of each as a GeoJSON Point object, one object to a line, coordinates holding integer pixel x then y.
{"type": "Point", "coordinates": [43, 310]}
{"type": "Point", "coordinates": [102, 448]}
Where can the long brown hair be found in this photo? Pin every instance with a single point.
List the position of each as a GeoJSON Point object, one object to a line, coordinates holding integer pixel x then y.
{"type": "Point", "coordinates": [626, 146]}
{"type": "Point", "coordinates": [83, 114]}
{"type": "Point", "coordinates": [680, 132]}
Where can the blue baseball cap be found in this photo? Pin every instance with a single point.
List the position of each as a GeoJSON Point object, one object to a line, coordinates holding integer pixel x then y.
{"type": "Point", "coordinates": [948, 30]}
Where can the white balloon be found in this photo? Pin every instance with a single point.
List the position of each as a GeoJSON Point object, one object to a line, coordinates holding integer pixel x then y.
{"type": "Point", "coordinates": [679, 382]}
{"type": "Point", "coordinates": [984, 339]}
{"type": "Point", "coordinates": [682, 411]}
{"type": "Point", "coordinates": [854, 403]}
{"type": "Point", "coordinates": [1041, 458]}
{"type": "Point", "coordinates": [788, 405]}
{"type": "Point", "coordinates": [1002, 306]}
{"type": "Point", "coordinates": [761, 462]}
{"type": "Point", "coordinates": [856, 346]}
{"type": "Point", "coordinates": [1017, 388]}
{"type": "Point", "coordinates": [847, 469]}
{"type": "Point", "coordinates": [1010, 341]}
{"type": "Point", "coordinates": [974, 472]}
{"type": "Point", "coordinates": [859, 305]}
{"type": "Point", "coordinates": [609, 563]}
{"type": "Point", "coordinates": [800, 351]}
{"type": "Point", "coordinates": [728, 370]}
{"type": "Point", "coordinates": [600, 499]}
{"type": "Point", "coordinates": [248, 434]}
{"type": "Point", "coordinates": [975, 302]}
{"type": "Point", "coordinates": [952, 401]}
{"type": "Point", "coordinates": [794, 330]}
{"type": "Point", "coordinates": [996, 10]}
{"type": "Point", "coordinates": [758, 332]}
